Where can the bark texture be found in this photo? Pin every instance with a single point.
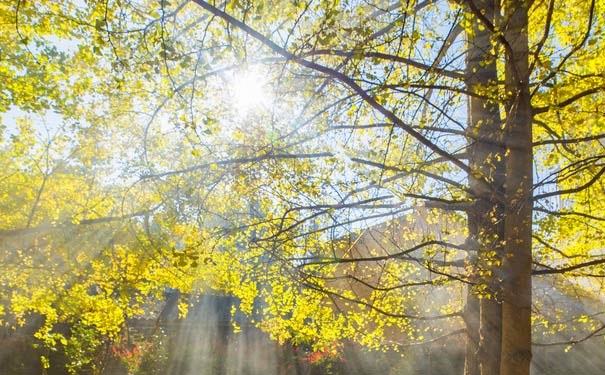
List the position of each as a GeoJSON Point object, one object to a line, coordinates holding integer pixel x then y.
{"type": "Point", "coordinates": [486, 227]}
{"type": "Point", "coordinates": [516, 306]}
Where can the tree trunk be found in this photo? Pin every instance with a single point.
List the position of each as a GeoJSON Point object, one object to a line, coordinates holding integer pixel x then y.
{"type": "Point", "coordinates": [516, 308]}
{"type": "Point", "coordinates": [471, 319]}
{"type": "Point", "coordinates": [486, 227]}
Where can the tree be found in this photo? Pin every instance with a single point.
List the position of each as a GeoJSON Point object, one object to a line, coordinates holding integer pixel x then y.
{"type": "Point", "coordinates": [502, 189]}
{"type": "Point", "coordinates": [77, 262]}
{"type": "Point", "coordinates": [375, 108]}
{"type": "Point", "coordinates": [506, 31]}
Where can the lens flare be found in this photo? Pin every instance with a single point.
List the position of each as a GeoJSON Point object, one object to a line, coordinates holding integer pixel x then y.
{"type": "Point", "coordinates": [249, 91]}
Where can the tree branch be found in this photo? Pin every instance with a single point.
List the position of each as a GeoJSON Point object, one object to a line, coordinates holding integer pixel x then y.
{"type": "Point", "coordinates": [338, 76]}
{"type": "Point", "coordinates": [308, 261]}
{"type": "Point", "coordinates": [594, 179]}
{"type": "Point", "coordinates": [564, 103]}
{"type": "Point", "coordinates": [569, 141]}
{"type": "Point", "coordinates": [7, 233]}
{"type": "Point", "coordinates": [568, 268]}
{"type": "Point", "coordinates": [385, 56]}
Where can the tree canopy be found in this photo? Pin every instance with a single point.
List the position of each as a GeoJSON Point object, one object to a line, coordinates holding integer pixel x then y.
{"type": "Point", "coordinates": [386, 173]}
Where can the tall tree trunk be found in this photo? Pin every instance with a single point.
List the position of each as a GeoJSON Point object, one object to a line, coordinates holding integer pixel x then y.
{"type": "Point", "coordinates": [486, 227]}
{"type": "Point", "coordinates": [516, 308]}
{"type": "Point", "coordinates": [471, 319]}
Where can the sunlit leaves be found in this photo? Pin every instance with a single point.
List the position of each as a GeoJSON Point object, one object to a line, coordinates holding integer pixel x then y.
{"type": "Point", "coordinates": [149, 176]}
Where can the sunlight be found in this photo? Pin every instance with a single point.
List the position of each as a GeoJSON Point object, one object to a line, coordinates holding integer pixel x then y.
{"type": "Point", "coordinates": [249, 91]}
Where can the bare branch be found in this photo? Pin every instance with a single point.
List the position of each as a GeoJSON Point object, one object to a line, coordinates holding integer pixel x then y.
{"type": "Point", "coordinates": [571, 341]}
{"type": "Point", "coordinates": [588, 184]}
{"type": "Point", "coordinates": [268, 156]}
{"type": "Point", "coordinates": [308, 261]}
{"type": "Point", "coordinates": [569, 213]}
{"type": "Point", "coordinates": [568, 268]}
{"type": "Point", "coordinates": [385, 56]}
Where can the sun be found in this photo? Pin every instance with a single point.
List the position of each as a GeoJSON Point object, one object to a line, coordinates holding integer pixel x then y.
{"type": "Point", "coordinates": [249, 91]}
